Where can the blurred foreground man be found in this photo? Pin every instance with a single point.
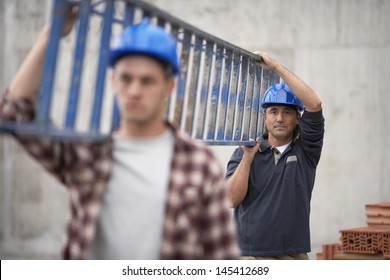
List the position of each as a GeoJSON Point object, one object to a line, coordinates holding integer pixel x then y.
{"type": "Point", "coordinates": [148, 192]}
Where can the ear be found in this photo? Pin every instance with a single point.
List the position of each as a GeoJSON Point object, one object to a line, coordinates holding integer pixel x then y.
{"type": "Point", "coordinates": [171, 82]}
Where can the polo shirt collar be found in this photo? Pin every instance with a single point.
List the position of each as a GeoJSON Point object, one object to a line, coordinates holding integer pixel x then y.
{"type": "Point", "coordinates": [265, 146]}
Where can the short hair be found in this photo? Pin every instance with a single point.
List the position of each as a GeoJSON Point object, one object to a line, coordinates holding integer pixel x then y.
{"type": "Point", "coordinates": [296, 108]}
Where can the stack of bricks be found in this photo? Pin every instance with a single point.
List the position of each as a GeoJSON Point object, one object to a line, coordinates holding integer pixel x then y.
{"type": "Point", "coordinates": [370, 243]}
{"type": "Point", "coordinates": [378, 214]}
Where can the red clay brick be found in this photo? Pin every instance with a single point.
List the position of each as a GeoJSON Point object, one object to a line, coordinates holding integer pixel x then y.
{"type": "Point", "coordinates": [319, 256]}
{"type": "Point", "coordinates": [368, 240]}
{"type": "Point", "coordinates": [378, 208]}
{"type": "Point", "coordinates": [386, 243]}
{"type": "Point", "coordinates": [354, 256]}
{"type": "Point", "coordinates": [328, 251]}
{"type": "Point", "coordinates": [378, 221]}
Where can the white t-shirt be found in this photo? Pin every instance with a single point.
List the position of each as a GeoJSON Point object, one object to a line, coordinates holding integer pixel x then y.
{"type": "Point", "coordinates": [131, 222]}
{"type": "Point", "coordinates": [282, 148]}
{"type": "Point", "coordinates": [278, 151]}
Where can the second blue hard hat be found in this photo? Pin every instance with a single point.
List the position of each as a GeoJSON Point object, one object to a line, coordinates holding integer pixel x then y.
{"type": "Point", "coordinates": [281, 94]}
{"type": "Point", "coordinates": [146, 39]}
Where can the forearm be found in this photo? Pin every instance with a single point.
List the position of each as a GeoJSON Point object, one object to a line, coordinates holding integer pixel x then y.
{"type": "Point", "coordinates": [26, 82]}
{"type": "Point", "coordinates": [308, 97]}
{"type": "Point", "coordinates": [238, 183]}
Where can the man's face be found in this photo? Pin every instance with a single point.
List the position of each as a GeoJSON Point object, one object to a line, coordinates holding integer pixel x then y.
{"type": "Point", "coordinates": [141, 88]}
{"type": "Point", "coordinates": [281, 122]}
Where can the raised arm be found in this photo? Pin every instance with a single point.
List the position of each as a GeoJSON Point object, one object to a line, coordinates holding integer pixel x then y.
{"type": "Point", "coordinates": [308, 97]}
{"type": "Point", "coordinates": [26, 82]}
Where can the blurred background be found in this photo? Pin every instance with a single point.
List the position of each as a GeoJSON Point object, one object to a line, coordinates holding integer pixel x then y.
{"type": "Point", "coordinates": [340, 48]}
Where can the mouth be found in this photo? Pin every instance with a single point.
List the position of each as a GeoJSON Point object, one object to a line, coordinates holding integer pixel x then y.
{"type": "Point", "coordinates": [133, 106]}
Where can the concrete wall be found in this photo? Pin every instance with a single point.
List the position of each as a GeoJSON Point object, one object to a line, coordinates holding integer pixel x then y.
{"type": "Point", "coordinates": [340, 48]}
{"type": "Point", "coordinates": [32, 204]}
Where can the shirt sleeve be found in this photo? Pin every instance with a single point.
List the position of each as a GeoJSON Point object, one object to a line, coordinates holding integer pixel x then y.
{"type": "Point", "coordinates": [312, 129]}
{"type": "Point", "coordinates": [234, 161]}
{"type": "Point", "coordinates": [220, 241]}
{"type": "Point", "coordinates": [51, 154]}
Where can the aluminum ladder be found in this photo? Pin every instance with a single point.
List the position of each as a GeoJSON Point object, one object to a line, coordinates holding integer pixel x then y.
{"type": "Point", "coordinates": [218, 94]}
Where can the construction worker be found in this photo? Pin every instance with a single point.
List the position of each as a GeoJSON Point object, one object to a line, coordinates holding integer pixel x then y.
{"type": "Point", "coordinates": [148, 192]}
{"type": "Point", "coordinates": [270, 184]}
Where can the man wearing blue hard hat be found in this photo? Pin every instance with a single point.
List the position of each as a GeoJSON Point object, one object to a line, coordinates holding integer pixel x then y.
{"type": "Point", "coordinates": [149, 191]}
{"type": "Point", "coordinates": [270, 184]}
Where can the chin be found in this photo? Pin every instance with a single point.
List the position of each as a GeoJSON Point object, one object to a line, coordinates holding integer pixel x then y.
{"type": "Point", "coordinates": [282, 136]}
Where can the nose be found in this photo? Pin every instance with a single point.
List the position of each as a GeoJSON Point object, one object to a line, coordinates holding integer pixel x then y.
{"type": "Point", "coordinates": [279, 117]}
{"type": "Point", "coordinates": [133, 89]}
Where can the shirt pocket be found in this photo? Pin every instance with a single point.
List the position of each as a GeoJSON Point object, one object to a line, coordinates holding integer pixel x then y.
{"type": "Point", "coordinates": [291, 168]}
{"type": "Point", "coordinates": [291, 159]}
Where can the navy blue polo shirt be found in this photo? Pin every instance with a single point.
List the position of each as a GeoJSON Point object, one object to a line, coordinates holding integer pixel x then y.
{"type": "Point", "coordinates": [273, 218]}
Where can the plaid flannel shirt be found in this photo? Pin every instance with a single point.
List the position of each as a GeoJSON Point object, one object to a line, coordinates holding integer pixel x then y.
{"type": "Point", "coordinates": [198, 223]}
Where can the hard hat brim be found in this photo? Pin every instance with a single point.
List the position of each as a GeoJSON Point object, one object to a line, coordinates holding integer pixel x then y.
{"type": "Point", "coordinates": [118, 54]}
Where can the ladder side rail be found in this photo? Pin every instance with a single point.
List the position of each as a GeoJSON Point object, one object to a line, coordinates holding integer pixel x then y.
{"type": "Point", "coordinates": [171, 100]}
{"type": "Point", "coordinates": [258, 110]}
{"type": "Point", "coordinates": [239, 123]}
{"type": "Point", "coordinates": [50, 62]}
{"type": "Point", "coordinates": [79, 54]}
{"type": "Point", "coordinates": [203, 113]}
{"type": "Point", "coordinates": [249, 101]}
{"type": "Point", "coordinates": [223, 101]}
{"type": "Point", "coordinates": [102, 66]}
{"type": "Point", "coordinates": [232, 99]}
{"type": "Point", "coordinates": [127, 21]}
{"type": "Point", "coordinates": [255, 105]}
{"type": "Point", "coordinates": [190, 118]}
{"type": "Point", "coordinates": [215, 93]}
{"type": "Point", "coordinates": [182, 79]}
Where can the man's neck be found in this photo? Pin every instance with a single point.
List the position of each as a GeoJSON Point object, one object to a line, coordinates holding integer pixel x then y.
{"type": "Point", "coordinates": [140, 130]}
{"type": "Point", "coordinates": [278, 142]}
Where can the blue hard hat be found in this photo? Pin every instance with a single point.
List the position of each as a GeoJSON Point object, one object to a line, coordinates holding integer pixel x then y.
{"type": "Point", "coordinates": [281, 94]}
{"type": "Point", "coordinates": [146, 39]}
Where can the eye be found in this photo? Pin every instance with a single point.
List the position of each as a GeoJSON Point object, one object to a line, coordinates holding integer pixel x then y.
{"type": "Point", "coordinates": [125, 79]}
{"type": "Point", "coordinates": [148, 81]}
